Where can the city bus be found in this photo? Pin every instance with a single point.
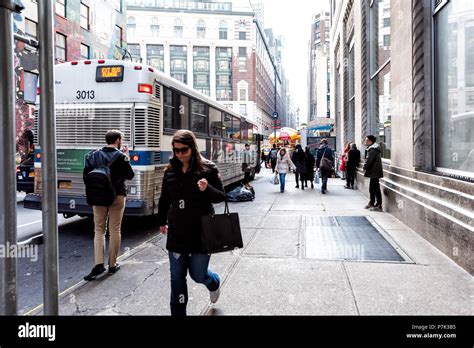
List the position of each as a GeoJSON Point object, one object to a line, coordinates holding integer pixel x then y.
{"type": "Point", "coordinates": [94, 96]}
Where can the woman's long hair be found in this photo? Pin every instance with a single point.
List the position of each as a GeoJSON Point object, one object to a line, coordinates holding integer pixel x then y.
{"type": "Point", "coordinates": [279, 152]}
{"type": "Point", "coordinates": [186, 137]}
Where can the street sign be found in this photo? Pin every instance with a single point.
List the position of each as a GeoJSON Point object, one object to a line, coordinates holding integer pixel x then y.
{"type": "Point", "coordinates": [275, 115]}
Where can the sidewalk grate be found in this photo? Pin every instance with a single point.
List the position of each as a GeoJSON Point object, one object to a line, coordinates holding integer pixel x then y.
{"type": "Point", "coordinates": [352, 238]}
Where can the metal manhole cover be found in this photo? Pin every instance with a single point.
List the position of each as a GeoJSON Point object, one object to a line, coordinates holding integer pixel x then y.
{"type": "Point", "coordinates": [347, 238]}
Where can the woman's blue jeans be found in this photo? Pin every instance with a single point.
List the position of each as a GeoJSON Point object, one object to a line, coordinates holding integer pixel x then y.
{"type": "Point", "coordinates": [197, 264]}
{"type": "Point", "coordinates": [282, 181]}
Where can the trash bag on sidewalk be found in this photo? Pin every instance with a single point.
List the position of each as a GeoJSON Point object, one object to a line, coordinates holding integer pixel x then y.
{"type": "Point", "coordinates": [240, 194]}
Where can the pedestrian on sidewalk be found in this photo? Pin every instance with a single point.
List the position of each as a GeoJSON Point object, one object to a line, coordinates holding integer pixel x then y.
{"type": "Point", "coordinates": [310, 161]}
{"type": "Point", "coordinates": [283, 167]}
{"type": "Point", "coordinates": [246, 165]}
{"type": "Point", "coordinates": [343, 166]}
{"type": "Point", "coordinates": [299, 159]}
{"type": "Point", "coordinates": [373, 170]}
{"type": "Point", "coordinates": [273, 157]}
{"type": "Point", "coordinates": [191, 184]}
{"type": "Point", "coordinates": [325, 164]}
{"type": "Point", "coordinates": [120, 170]}
{"type": "Point", "coordinates": [353, 160]}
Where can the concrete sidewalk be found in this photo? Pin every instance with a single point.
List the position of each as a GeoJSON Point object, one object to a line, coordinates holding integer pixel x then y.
{"type": "Point", "coordinates": [275, 275]}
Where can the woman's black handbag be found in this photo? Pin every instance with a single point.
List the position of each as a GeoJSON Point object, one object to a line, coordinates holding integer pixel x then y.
{"type": "Point", "coordinates": [221, 232]}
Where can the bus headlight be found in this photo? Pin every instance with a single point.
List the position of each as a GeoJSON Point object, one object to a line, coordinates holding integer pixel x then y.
{"type": "Point", "coordinates": [133, 190]}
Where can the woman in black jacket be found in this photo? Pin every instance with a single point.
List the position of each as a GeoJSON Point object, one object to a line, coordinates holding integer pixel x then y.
{"type": "Point", "coordinates": [310, 161]}
{"type": "Point", "coordinates": [190, 185]}
{"type": "Point", "coordinates": [299, 159]}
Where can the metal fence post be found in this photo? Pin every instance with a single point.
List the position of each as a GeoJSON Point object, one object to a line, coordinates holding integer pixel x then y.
{"type": "Point", "coordinates": [8, 225]}
{"type": "Point", "coordinates": [47, 132]}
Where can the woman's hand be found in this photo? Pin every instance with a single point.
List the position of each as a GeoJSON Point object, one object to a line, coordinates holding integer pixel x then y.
{"type": "Point", "coordinates": [164, 230]}
{"type": "Point", "coordinates": [202, 184]}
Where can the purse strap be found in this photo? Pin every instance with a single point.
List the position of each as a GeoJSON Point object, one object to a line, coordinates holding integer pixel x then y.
{"type": "Point", "coordinates": [226, 210]}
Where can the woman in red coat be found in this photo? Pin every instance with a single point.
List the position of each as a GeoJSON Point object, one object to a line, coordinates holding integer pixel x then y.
{"type": "Point", "coordinates": [342, 167]}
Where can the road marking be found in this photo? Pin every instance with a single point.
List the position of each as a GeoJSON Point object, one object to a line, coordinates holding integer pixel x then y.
{"type": "Point", "coordinates": [31, 223]}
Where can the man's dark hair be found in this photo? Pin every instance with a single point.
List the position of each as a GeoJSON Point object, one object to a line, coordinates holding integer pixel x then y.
{"type": "Point", "coordinates": [274, 146]}
{"type": "Point", "coordinates": [112, 135]}
{"type": "Point", "coordinates": [372, 138]}
{"type": "Point", "coordinates": [247, 144]}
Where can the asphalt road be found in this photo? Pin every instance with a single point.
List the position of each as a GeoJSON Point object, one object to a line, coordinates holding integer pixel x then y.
{"type": "Point", "coordinates": [76, 255]}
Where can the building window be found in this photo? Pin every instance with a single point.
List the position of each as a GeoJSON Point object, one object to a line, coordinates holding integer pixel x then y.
{"type": "Point", "coordinates": [243, 94]}
{"type": "Point", "coordinates": [118, 36]}
{"type": "Point", "coordinates": [178, 62]}
{"type": "Point", "coordinates": [60, 8]}
{"type": "Point", "coordinates": [134, 50]}
{"type": "Point", "coordinates": [454, 87]}
{"type": "Point", "coordinates": [60, 47]}
{"type": "Point", "coordinates": [131, 23]}
{"type": "Point", "coordinates": [223, 30]}
{"type": "Point", "coordinates": [201, 29]}
{"type": "Point", "coordinates": [84, 16]}
{"type": "Point", "coordinates": [243, 109]}
{"type": "Point", "coordinates": [242, 35]}
{"type": "Point", "coordinates": [380, 85]}
{"type": "Point", "coordinates": [223, 73]}
{"type": "Point", "coordinates": [202, 70]}
{"type": "Point", "coordinates": [155, 27]}
{"type": "Point", "coordinates": [31, 28]}
{"type": "Point", "coordinates": [85, 51]}
{"type": "Point", "coordinates": [242, 58]}
{"type": "Point", "coordinates": [178, 28]}
{"type": "Point", "coordinates": [155, 55]}
{"type": "Point", "coordinates": [199, 115]}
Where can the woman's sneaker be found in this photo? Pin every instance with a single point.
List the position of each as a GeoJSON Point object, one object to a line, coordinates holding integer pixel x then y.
{"type": "Point", "coordinates": [214, 295]}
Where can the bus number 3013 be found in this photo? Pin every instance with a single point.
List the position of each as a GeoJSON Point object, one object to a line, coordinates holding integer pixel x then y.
{"type": "Point", "coordinates": [85, 94]}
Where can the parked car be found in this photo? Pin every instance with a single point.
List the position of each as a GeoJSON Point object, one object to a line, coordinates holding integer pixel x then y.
{"type": "Point", "coordinates": [25, 175]}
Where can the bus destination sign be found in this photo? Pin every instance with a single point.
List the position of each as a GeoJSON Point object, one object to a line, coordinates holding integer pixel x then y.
{"type": "Point", "coordinates": [109, 73]}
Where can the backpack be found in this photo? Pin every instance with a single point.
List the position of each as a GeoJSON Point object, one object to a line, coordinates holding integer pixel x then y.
{"type": "Point", "coordinates": [273, 154]}
{"type": "Point", "coordinates": [100, 190]}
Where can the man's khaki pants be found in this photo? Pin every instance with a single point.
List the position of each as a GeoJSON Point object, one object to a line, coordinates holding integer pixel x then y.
{"type": "Point", "coordinates": [114, 213]}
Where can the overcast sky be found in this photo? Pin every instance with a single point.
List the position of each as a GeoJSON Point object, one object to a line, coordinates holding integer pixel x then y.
{"type": "Point", "coordinates": [292, 19]}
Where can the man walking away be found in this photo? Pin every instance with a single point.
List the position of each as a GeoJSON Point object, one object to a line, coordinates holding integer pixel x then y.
{"type": "Point", "coordinates": [353, 160]}
{"type": "Point", "coordinates": [273, 157]}
{"type": "Point", "coordinates": [247, 161]}
{"type": "Point", "coordinates": [117, 165]}
{"type": "Point", "coordinates": [325, 164]}
{"type": "Point", "coordinates": [373, 170]}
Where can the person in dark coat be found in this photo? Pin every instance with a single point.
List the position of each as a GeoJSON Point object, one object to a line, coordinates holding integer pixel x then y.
{"type": "Point", "coordinates": [299, 159]}
{"type": "Point", "coordinates": [324, 151]}
{"type": "Point", "coordinates": [191, 184]}
{"type": "Point", "coordinates": [353, 160]}
{"type": "Point", "coordinates": [310, 161]}
{"type": "Point", "coordinates": [373, 170]}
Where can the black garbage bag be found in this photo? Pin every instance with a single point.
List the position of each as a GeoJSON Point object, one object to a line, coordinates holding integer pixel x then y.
{"type": "Point", "coordinates": [240, 194]}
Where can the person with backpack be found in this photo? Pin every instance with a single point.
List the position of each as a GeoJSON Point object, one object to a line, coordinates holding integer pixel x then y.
{"type": "Point", "coordinates": [273, 157]}
{"type": "Point", "coordinates": [191, 184]}
{"type": "Point", "coordinates": [104, 175]}
{"type": "Point", "coordinates": [325, 164]}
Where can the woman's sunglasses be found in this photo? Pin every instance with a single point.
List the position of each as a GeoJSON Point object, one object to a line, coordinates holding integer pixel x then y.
{"type": "Point", "coordinates": [182, 150]}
